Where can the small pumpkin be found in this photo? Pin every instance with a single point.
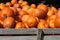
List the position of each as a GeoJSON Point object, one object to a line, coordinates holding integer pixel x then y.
{"type": "Point", "coordinates": [9, 22]}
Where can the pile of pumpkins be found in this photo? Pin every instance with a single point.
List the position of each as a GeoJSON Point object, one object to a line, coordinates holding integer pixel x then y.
{"type": "Point", "coordinates": [19, 14]}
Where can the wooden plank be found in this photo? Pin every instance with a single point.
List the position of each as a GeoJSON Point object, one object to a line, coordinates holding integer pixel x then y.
{"type": "Point", "coordinates": [40, 35]}
{"type": "Point", "coordinates": [18, 37]}
{"type": "Point", "coordinates": [51, 31]}
{"type": "Point", "coordinates": [18, 31]}
{"type": "Point", "coordinates": [51, 37]}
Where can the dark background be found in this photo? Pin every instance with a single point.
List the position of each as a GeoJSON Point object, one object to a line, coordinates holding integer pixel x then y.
{"type": "Point", "coordinates": [55, 3]}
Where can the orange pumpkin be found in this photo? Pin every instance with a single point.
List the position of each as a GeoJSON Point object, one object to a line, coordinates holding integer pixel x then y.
{"type": "Point", "coordinates": [51, 20]}
{"type": "Point", "coordinates": [19, 25]}
{"type": "Point", "coordinates": [57, 22]}
{"type": "Point", "coordinates": [57, 19]}
{"type": "Point", "coordinates": [22, 12]}
{"type": "Point", "coordinates": [20, 2]}
{"type": "Point", "coordinates": [6, 12]}
{"type": "Point", "coordinates": [52, 11]}
{"type": "Point", "coordinates": [2, 6]}
{"type": "Point", "coordinates": [29, 20]}
{"type": "Point", "coordinates": [24, 3]}
{"type": "Point", "coordinates": [8, 4]}
{"type": "Point", "coordinates": [16, 5]}
{"type": "Point", "coordinates": [13, 2]}
{"type": "Point", "coordinates": [26, 8]}
{"type": "Point", "coordinates": [37, 13]}
{"type": "Point", "coordinates": [33, 6]}
{"type": "Point", "coordinates": [42, 24]}
{"type": "Point", "coordinates": [43, 7]}
{"type": "Point", "coordinates": [9, 22]}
